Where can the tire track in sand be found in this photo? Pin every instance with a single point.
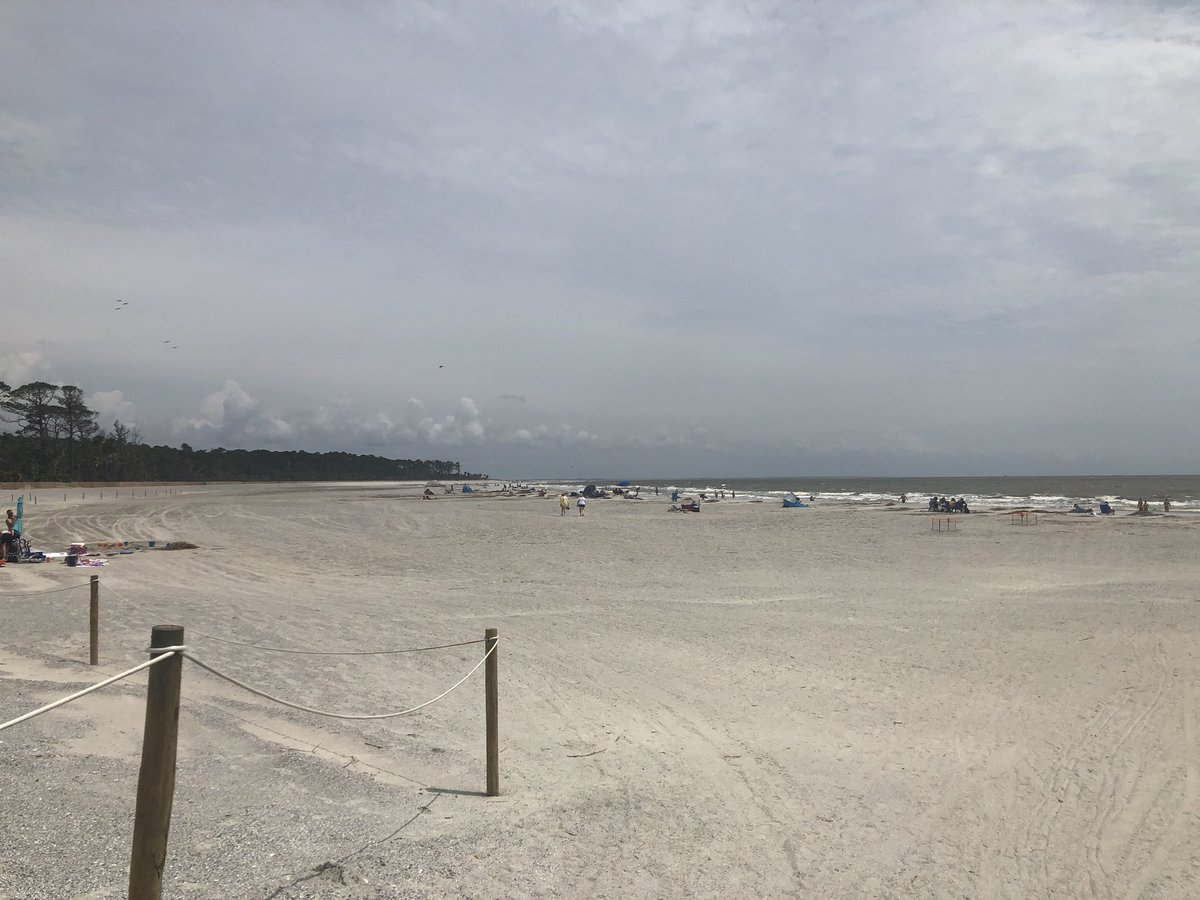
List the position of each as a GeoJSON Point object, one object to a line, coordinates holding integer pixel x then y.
{"type": "Point", "coordinates": [1174, 833]}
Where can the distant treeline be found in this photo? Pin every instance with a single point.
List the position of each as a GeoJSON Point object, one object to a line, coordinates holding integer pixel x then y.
{"type": "Point", "coordinates": [55, 437]}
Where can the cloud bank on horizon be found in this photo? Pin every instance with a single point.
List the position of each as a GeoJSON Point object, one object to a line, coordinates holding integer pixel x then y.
{"type": "Point", "coordinates": [645, 238]}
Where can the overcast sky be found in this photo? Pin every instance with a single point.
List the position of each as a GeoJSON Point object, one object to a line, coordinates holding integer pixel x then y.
{"type": "Point", "coordinates": [632, 240]}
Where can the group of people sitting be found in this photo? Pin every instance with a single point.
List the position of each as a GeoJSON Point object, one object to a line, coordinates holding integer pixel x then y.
{"type": "Point", "coordinates": [948, 505]}
{"type": "Point", "coordinates": [1105, 508]}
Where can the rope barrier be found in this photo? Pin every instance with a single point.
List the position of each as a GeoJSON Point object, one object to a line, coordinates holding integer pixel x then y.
{"type": "Point", "coordinates": [333, 652]}
{"type": "Point", "coordinates": [164, 653]}
{"type": "Point", "coordinates": [334, 715]}
{"type": "Point", "coordinates": [125, 599]}
{"type": "Point", "coordinates": [212, 637]}
{"type": "Point", "coordinates": [39, 593]}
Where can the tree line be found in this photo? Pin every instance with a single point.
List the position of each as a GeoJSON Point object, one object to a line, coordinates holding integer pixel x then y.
{"type": "Point", "coordinates": [52, 435]}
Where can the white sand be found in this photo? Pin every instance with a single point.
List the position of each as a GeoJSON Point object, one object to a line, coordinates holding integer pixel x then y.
{"type": "Point", "coordinates": [744, 702]}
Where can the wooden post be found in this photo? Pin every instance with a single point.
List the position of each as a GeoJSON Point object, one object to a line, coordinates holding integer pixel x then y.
{"type": "Point", "coordinates": [94, 621]}
{"type": "Point", "coordinates": [156, 781]}
{"type": "Point", "coordinates": [492, 704]}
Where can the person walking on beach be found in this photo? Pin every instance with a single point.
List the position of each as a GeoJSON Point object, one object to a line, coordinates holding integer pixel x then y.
{"type": "Point", "coordinates": [563, 503]}
{"type": "Point", "coordinates": [582, 503]}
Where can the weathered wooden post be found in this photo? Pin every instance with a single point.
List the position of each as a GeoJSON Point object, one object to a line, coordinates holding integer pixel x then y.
{"type": "Point", "coordinates": [156, 781]}
{"type": "Point", "coordinates": [94, 622]}
{"type": "Point", "coordinates": [492, 704]}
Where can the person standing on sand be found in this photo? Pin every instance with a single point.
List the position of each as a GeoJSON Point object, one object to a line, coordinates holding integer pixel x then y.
{"type": "Point", "coordinates": [563, 504]}
{"type": "Point", "coordinates": [582, 503]}
{"type": "Point", "coordinates": [8, 540]}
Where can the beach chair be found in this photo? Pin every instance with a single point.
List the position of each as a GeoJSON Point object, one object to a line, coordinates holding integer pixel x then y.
{"type": "Point", "coordinates": [18, 550]}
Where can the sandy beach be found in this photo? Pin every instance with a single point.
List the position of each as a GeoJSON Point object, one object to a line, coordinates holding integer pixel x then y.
{"type": "Point", "coordinates": [745, 702]}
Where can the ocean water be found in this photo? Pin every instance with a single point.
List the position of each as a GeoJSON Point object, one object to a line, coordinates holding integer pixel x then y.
{"type": "Point", "coordinates": [1042, 492]}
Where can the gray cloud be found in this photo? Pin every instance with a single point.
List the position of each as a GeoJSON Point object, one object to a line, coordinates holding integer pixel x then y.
{"type": "Point", "coordinates": [729, 237]}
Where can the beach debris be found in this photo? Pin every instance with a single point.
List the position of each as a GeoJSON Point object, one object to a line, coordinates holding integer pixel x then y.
{"type": "Point", "coordinates": [584, 755]}
{"type": "Point", "coordinates": [331, 870]}
{"type": "Point", "coordinates": [179, 545]}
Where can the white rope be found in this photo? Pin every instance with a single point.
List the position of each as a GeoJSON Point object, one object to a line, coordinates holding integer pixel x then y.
{"type": "Point", "coordinates": [196, 631]}
{"type": "Point", "coordinates": [334, 715]}
{"type": "Point", "coordinates": [125, 599]}
{"type": "Point", "coordinates": [39, 593]}
{"type": "Point", "coordinates": [334, 652]}
{"type": "Point", "coordinates": [164, 653]}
